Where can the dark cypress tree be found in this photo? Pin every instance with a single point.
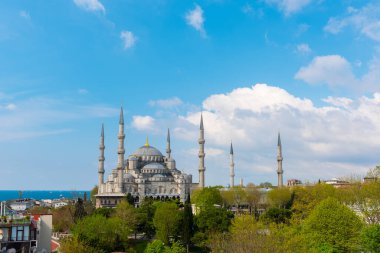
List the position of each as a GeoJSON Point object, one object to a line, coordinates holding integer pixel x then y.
{"type": "Point", "coordinates": [79, 212]}
{"type": "Point", "coordinates": [188, 230]}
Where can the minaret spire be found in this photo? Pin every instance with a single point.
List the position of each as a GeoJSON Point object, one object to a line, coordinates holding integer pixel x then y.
{"type": "Point", "coordinates": [120, 151]}
{"type": "Point", "coordinates": [232, 167]}
{"type": "Point", "coordinates": [168, 150]}
{"type": "Point", "coordinates": [280, 172]}
{"type": "Point", "coordinates": [201, 154]}
{"type": "Point", "coordinates": [101, 159]}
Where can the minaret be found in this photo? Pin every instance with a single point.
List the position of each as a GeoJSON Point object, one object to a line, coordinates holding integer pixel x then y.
{"type": "Point", "coordinates": [101, 159]}
{"type": "Point", "coordinates": [232, 167]}
{"type": "Point", "coordinates": [168, 150]}
{"type": "Point", "coordinates": [279, 162]}
{"type": "Point", "coordinates": [120, 151]}
{"type": "Point", "coordinates": [201, 155]}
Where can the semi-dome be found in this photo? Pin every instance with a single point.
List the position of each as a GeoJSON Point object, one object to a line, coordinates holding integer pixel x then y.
{"type": "Point", "coordinates": [154, 166]}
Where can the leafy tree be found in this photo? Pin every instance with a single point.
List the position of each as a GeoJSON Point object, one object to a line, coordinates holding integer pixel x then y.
{"type": "Point", "coordinates": [72, 244]}
{"type": "Point", "coordinates": [248, 235]}
{"type": "Point", "coordinates": [63, 218]}
{"type": "Point", "coordinates": [333, 224]}
{"type": "Point", "coordinates": [79, 211]}
{"type": "Point", "coordinates": [276, 215]}
{"type": "Point", "coordinates": [166, 221]}
{"type": "Point", "coordinates": [104, 211]}
{"type": "Point", "coordinates": [371, 238]}
{"type": "Point", "coordinates": [158, 246]}
{"type": "Point", "coordinates": [253, 197]}
{"type": "Point", "coordinates": [102, 233]}
{"type": "Point", "coordinates": [145, 214]}
{"type": "Point", "coordinates": [279, 197]}
{"type": "Point", "coordinates": [306, 198]}
{"type": "Point", "coordinates": [207, 196]}
{"type": "Point", "coordinates": [127, 214]}
{"type": "Point", "coordinates": [213, 219]}
{"type": "Point", "coordinates": [265, 185]}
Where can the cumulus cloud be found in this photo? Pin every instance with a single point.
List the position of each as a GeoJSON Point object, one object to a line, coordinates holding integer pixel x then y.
{"type": "Point", "coordinates": [338, 139]}
{"type": "Point", "coordinates": [166, 103]}
{"type": "Point", "coordinates": [366, 21]}
{"type": "Point", "coordinates": [195, 18]}
{"type": "Point", "coordinates": [333, 70]}
{"type": "Point", "coordinates": [90, 5]}
{"type": "Point", "coordinates": [289, 7]}
{"type": "Point", "coordinates": [9, 107]}
{"type": "Point", "coordinates": [303, 49]}
{"type": "Point", "coordinates": [128, 38]}
{"type": "Point", "coordinates": [143, 123]}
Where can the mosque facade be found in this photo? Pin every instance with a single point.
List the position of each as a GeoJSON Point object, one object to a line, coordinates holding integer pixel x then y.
{"type": "Point", "coordinates": [145, 173]}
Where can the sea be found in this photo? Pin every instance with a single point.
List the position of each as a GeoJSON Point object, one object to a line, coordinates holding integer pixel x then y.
{"type": "Point", "coordinates": [38, 195]}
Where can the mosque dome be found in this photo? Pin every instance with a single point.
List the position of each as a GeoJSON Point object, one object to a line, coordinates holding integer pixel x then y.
{"type": "Point", "coordinates": [147, 150]}
{"type": "Point", "coordinates": [148, 153]}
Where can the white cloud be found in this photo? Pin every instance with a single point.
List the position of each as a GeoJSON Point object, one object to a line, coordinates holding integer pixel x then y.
{"type": "Point", "coordinates": [195, 18]}
{"type": "Point", "coordinates": [24, 14]}
{"type": "Point", "coordinates": [318, 141]}
{"type": "Point", "coordinates": [303, 49]}
{"type": "Point", "coordinates": [166, 103]}
{"type": "Point", "coordinates": [333, 70]}
{"type": "Point", "coordinates": [90, 5]}
{"type": "Point", "coordinates": [128, 38]}
{"type": "Point", "coordinates": [289, 6]}
{"type": "Point", "coordinates": [365, 20]}
{"type": "Point", "coordinates": [339, 101]}
{"type": "Point", "coordinates": [143, 123]}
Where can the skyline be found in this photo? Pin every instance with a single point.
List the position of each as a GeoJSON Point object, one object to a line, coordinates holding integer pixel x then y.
{"type": "Point", "coordinates": [308, 69]}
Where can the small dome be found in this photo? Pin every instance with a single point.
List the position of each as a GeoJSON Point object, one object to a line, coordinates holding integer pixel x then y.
{"type": "Point", "coordinates": [158, 176]}
{"type": "Point", "coordinates": [132, 158]}
{"type": "Point", "coordinates": [154, 166]}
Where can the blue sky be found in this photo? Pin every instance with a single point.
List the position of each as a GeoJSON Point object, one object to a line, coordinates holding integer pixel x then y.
{"type": "Point", "coordinates": [310, 69]}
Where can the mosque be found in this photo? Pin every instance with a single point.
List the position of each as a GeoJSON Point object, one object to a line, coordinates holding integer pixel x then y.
{"type": "Point", "coordinates": [148, 173]}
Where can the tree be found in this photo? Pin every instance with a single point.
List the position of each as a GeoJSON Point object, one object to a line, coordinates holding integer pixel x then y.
{"type": "Point", "coordinates": [158, 246]}
{"type": "Point", "coordinates": [79, 211]}
{"type": "Point", "coordinates": [187, 224]}
{"type": "Point", "coordinates": [127, 214]}
{"type": "Point", "coordinates": [63, 218]}
{"type": "Point", "coordinates": [207, 196]}
{"type": "Point", "coordinates": [265, 185]}
{"type": "Point", "coordinates": [374, 173]}
{"type": "Point", "coordinates": [333, 224]}
{"type": "Point", "coordinates": [306, 198]}
{"type": "Point", "coordinates": [276, 215]}
{"type": "Point", "coordinates": [213, 219]}
{"type": "Point", "coordinates": [371, 238]}
{"type": "Point", "coordinates": [279, 197]}
{"type": "Point", "coordinates": [145, 214]}
{"type": "Point", "coordinates": [107, 234]}
{"type": "Point", "coordinates": [253, 197]}
{"type": "Point", "coordinates": [72, 244]}
{"type": "Point", "coordinates": [166, 221]}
